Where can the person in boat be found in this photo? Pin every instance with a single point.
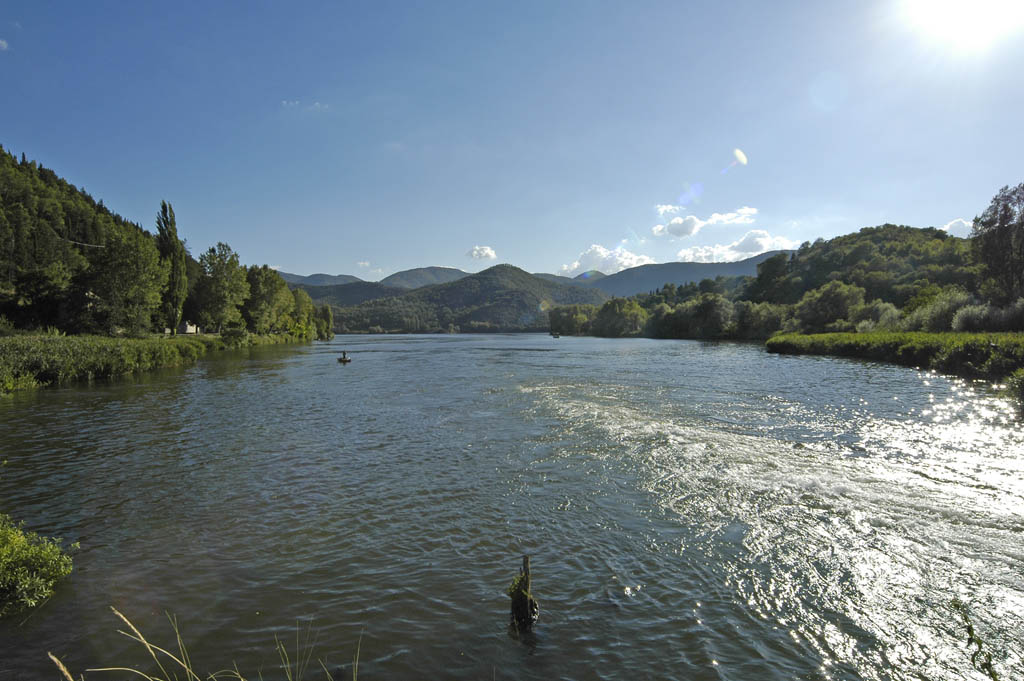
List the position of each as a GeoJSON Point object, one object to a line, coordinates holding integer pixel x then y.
{"type": "Point", "coordinates": [344, 355]}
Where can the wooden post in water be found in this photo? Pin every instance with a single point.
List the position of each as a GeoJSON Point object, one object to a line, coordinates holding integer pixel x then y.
{"type": "Point", "coordinates": [525, 609]}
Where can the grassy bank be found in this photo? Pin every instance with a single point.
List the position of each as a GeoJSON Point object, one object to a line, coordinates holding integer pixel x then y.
{"type": "Point", "coordinates": [28, 361]}
{"type": "Point", "coordinates": [993, 356]}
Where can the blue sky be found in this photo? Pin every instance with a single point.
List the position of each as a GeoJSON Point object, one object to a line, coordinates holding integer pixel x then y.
{"type": "Point", "coordinates": [370, 137]}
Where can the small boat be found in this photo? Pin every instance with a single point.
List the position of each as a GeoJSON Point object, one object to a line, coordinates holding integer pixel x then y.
{"type": "Point", "coordinates": [555, 335]}
{"type": "Point", "coordinates": [344, 359]}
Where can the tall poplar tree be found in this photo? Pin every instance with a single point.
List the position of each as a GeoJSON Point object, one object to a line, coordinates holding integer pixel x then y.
{"type": "Point", "coordinates": [998, 237]}
{"type": "Point", "coordinates": [172, 252]}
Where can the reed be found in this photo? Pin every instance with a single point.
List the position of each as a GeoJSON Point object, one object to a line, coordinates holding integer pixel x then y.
{"type": "Point", "coordinates": [178, 665]}
{"type": "Point", "coordinates": [28, 361]}
{"type": "Point", "coordinates": [992, 356]}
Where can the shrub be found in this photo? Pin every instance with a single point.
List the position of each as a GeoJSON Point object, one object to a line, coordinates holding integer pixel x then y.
{"type": "Point", "coordinates": [938, 314]}
{"type": "Point", "coordinates": [1015, 386]}
{"type": "Point", "coordinates": [30, 566]}
{"type": "Point", "coordinates": [824, 305]}
{"type": "Point", "coordinates": [990, 318]}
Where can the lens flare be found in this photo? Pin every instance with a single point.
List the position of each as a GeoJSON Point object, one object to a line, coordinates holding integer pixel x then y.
{"type": "Point", "coordinates": [740, 156]}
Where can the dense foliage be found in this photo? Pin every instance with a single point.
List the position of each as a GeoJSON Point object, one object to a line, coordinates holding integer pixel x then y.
{"type": "Point", "coordinates": [68, 263]}
{"type": "Point", "coordinates": [999, 239]}
{"type": "Point", "coordinates": [30, 566]}
{"type": "Point", "coordinates": [888, 278]}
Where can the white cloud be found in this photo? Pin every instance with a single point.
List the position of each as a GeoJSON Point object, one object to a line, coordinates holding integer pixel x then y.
{"type": "Point", "coordinates": [599, 258]}
{"type": "Point", "coordinates": [754, 242]}
{"type": "Point", "coordinates": [3, 45]}
{"type": "Point", "coordinates": [958, 227]}
{"type": "Point", "coordinates": [482, 253]}
{"type": "Point", "coordinates": [289, 103]}
{"type": "Point", "coordinates": [318, 107]}
{"type": "Point", "coordinates": [691, 224]}
{"type": "Point", "coordinates": [664, 208]}
{"type": "Point", "coordinates": [363, 263]}
{"type": "Point", "coordinates": [275, 267]}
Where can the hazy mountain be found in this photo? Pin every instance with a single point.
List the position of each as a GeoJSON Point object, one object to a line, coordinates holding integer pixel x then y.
{"type": "Point", "coordinates": [585, 279]}
{"type": "Point", "coordinates": [423, 276]}
{"type": "Point", "coordinates": [646, 278]}
{"type": "Point", "coordinates": [343, 295]}
{"type": "Point", "coordinates": [318, 279]}
{"type": "Point", "coordinates": [501, 298]}
{"type": "Point", "coordinates": [558, 279]}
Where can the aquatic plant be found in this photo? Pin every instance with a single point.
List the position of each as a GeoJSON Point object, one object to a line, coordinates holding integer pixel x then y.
{"type": "Point", "coordinates": [980, 658]}
{"type": "Point", "coordinates": [30, 566]}
{"type": "Point", "coordinates": [175, 666]}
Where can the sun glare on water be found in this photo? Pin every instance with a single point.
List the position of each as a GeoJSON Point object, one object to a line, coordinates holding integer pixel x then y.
{"type": "Point", "coordinates": [965, 25]}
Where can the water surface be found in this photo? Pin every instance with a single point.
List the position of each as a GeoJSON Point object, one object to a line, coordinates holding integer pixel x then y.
{"type": "Point", "coordinates": [693, 511]}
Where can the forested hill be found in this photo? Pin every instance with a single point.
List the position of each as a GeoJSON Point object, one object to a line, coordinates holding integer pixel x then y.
{"type": "Point", "coordinates": [646, 278]}
{"type": "Point", "coordinates": [56, 243]}
{"type": "Point", "coordinates": [501, 298]}
{"type": "Point", "coordinates": [70, 265]}
{"type": "Point", "coordinates": [423, 276]}
{"type": "Point", "coordinates": [318, 279]}
{"type": "Point", "coordinates": [346, 295]}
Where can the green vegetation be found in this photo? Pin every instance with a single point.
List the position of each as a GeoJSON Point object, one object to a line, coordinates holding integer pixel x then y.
{"type": "Point", "coordinates": [30, 566]}
{"type": "Point", "coordinates": [70, 266]}
{"type": "Point", "coordinates": [975, 355]}
{"type": "Point", "coordinates": [888, 278]}
{"type": "Point", "coordinates": [169, 665]}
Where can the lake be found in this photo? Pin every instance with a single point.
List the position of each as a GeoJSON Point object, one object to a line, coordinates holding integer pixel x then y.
{"type": "Point", "coordinates": [692, 511]}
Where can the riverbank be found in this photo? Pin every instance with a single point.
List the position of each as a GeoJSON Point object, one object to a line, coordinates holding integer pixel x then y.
{"type": "Point", "coordinates": [32, 361]}
{"type": "Point", "coordinates": [991, 356]}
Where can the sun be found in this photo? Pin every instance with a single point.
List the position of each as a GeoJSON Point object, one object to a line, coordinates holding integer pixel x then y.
{"type": "Point", "coordinates": [965, 25]}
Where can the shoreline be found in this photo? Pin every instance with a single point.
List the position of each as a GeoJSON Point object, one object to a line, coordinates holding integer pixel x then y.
{"type": "Point", "coordinates": [37, 361]}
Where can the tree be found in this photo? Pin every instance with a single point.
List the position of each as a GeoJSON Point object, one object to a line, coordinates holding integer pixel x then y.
{"type": "Point", "coordinates": [270, 302]}
{"type": "Point", "coordinates": [998, 238]}
{"type": "Point", "coordinates": [172, 253]}
{"type": "Point", "coordinates": [222, 289]}
{"type": "Point", "coordinates": [826, 304]}
{"type": "Point", "coordinates": [323, 317]}
{"type": "Point", "coordinates": [303, 326]}
{"type": "Point", "coordinates": [128, 277]}
{"type": "Point", "coordinates": [619, 317]}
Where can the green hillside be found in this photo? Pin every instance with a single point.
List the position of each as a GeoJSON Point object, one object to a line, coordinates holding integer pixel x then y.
{"type": "Point", "coordinates": [501, 298]}
{"type": "Point", "coordinates": [423, 276]}
{"type": "Point", "coordinates": [345, 295]}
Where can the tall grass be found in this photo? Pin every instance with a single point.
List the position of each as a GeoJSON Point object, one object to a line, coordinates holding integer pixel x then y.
{"type": "Point", "coordinates": [178, 666]}
{"type": "Point", "coordinates": [39, 360]}
{"type": "Point", "coordinates": [992, 356]}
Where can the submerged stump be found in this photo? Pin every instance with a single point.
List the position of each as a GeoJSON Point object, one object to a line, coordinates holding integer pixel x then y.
{"type": "Point", "coordinates": [524, 611]}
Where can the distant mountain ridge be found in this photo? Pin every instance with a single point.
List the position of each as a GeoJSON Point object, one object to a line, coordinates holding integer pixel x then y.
{"type": "Point", "coordinates": [646, 278]}
{"type": "Point", "coordinates": [500, 298]}
{"type": "Point", "coordinates": [423, 276]}
{"type": "Point", "coordinates": [344, 295]}
{"type": "Point", "coordinates": [318, 279]}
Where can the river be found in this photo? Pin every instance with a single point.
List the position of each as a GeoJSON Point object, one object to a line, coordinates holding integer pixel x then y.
{"type": "Point", "coordinates": [692, 511]}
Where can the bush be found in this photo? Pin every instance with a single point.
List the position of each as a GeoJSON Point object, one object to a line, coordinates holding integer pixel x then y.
{"type": "Point", "coordinates": [1015, 386]}
{"type": "Point", "coordinates": [30, 566]}
{"type": "Point", "coordinates": [827, 304]}
{"type": "Point", "coordinates": [937, 315]}
{"type": "Point", "coordinates": [990, 318]}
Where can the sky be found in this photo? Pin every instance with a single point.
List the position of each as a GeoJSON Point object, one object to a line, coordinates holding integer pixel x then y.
{"type": "Point", "coordinates": [367, 137]}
